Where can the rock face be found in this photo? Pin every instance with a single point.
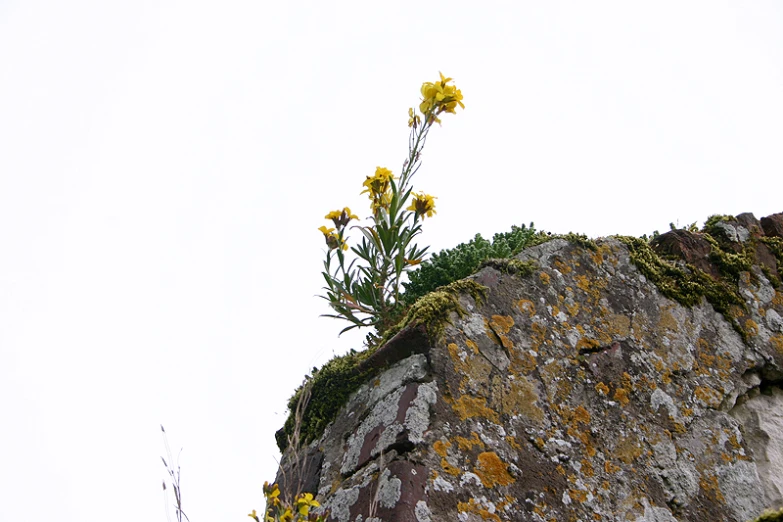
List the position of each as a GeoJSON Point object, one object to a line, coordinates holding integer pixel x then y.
{"type": "Point", "coordinates": [576, 393]}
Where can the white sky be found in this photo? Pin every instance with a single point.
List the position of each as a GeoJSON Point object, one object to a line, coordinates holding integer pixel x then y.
{"type": "Point", "coordinates": [164, 166]}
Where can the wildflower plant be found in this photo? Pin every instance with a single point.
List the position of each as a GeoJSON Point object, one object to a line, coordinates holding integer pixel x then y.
{"type": "Point", "coordinates": [365, 291]}
{"type": "Point", "coordinates": [279, 511]}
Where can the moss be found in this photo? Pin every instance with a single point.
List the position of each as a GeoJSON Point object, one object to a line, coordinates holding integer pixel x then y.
{"type": "Point", "coordinates": [339, 378]}
{"type": "Point", "coordinates": [775, 245]}
{"type": "Point", "coordinates": [330, 388]}
{"type": "Point", "coordinates": [730, 264]}
{"type": "Point", "coordinates": [433, 309]}
{"type": "Point", "coordinates": [510, 266]}
{"type": "Point", "coordinates": [709, 224]}
{"type": "Point", "coordinates": [770, 516]}
{"type": "Point", "coordinates": [689, 284]}
{"type": "Point", "coordinates": [576, 239]}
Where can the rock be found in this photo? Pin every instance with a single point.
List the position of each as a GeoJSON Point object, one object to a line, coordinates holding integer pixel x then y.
{"type": "Point", "coordinates": [577, 392]}
{"type": "Point", "coordinates": [691, 247]}
{"type": "Point", "coordinates": [773, 225]}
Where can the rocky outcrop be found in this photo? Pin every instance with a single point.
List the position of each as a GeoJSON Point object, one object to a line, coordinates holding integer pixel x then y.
{"type": "Point", "coordinates": [616, 381]}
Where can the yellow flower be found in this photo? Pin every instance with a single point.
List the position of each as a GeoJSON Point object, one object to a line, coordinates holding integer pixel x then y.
{"type": "Point", "coordinates": [272, 492]}
{"type": "Point", "coordinates": [439, 97]}
{"type": "Point", "coordinates": [305, 502]}
{"type": "Point", "coordinates": [423, 204]}
{"type": "Point", "coordinates": [332, 241]}
{"type": "Point", "coordinates": [341, 217]}
{"type": "Point", "coordinates": [253, 515]}
{"type": "Point", "coordinates": [379, 186]}
{"type": "Point", "coordinates": [288, 516]}
{"type": "Point", "coordinates": [413, 119]}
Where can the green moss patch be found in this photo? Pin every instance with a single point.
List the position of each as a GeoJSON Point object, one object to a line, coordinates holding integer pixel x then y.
{"type": "Point", "coordinates": [330, 388]}
{"type": "Point", "coordinates": [511, 266]}
{"type": "Point", "coordinates": [686, 285]}
{"type": "Point", "coordinates": [770, 516]}
{"type": "Point", "coordinates": [333, 384]}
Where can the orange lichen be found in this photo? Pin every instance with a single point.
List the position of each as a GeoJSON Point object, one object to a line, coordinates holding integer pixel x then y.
{"type": "Point", "coordinates": [587, 468]}
{"type": "Point", "coordinates": [583, 283]}
{"type": "Point", "coordinates": [448, 468]}
{"type": "Point", "coordinates": [492, 471]}
{"type": "Point", "coordinates": [751, 328]}
{"type": "Point", "coordinates": [709, 484]}
{"type": "Point", "coordinates": [473, 346]}
{"type": "Point", "coordinates": [573, 309]}
{"type": "Point", "coordinates": [502, 323]}
{"type": "Point", "coordinates": [647, 382]}
{"type": "Point", "coordinates": [544, 277]}
{"type": "Point", "coordinates": [562, 267]}
{"type": "Point", "coordinates": [513, 443]}
{"type": "Point", "coordinates": [621, 394]}
{"type": "Point", "coordinates": [707, 396]}
{"type": "Point", "coordinates": [454, 352]}
{"type": "Point", "coordinates": [521, 397]}
{"type": "Point", "coordinates": [777, 341]}
{"type": "Point", "coordinates": [474, 507]}
{"type": "Point", "coordinates": [467, 407]}
{"type": "Point", "coordinates": [577, 495]}
{"type": "Point", "coordinates": [441, 448]}
{"type": "Point", "coordinates": [602, 389]}
{"type": "Point", "coordinates": [611, 468]}
{"type": "Point", "coordinates": [526, 307]}
{"type": "Point", "coordinates": [539, 335]}
{"type": "Point", "coordinates": [467, 444]}
{"type": "Point", "coordinates": [587, 344]}
{"type": "Point", "coordinates": [523, 362]}
{"type": "Point", "coordinates": [581, 415]}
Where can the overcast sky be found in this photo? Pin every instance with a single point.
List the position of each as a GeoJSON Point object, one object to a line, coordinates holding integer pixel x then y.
{"type": "Point", "coordinates": [164, 166]}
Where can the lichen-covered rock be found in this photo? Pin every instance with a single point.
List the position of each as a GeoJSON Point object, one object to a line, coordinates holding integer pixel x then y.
{"type": "Point", "coordinates": [578, 392]}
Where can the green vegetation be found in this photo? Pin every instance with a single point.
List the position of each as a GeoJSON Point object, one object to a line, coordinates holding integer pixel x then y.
{"type": "Point", "coordinates": [330, 387]}
{"type": "Point", "coordinates": [339, 378]}
{"type": "Point", "coordinates": [511, 266]}
{"type": "Point", "coordinates": [685, 285]}
{"type": "Point", "coordinates": [775, 244]}
{"type": "Point", "coordinates": [465, 259]}
{"type": "Point", "coordinates": [770, 516]}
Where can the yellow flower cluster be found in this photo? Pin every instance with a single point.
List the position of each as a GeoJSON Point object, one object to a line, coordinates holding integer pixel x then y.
{"type": "Point", "coordinates": [423, 204]}
{"type": "Point", "coordinates": [277, 512]}
{"type": "Point", "coordinates": [438, 97]}
{"type": "Point", "coordinates": [341, 217]}
{"type": "Point", "coordinates": [379, 188]}
{"type": "Point", "coordinates": [333, 239]}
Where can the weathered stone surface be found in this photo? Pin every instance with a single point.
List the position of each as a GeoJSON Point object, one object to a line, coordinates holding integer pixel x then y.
{"type": "Point", "coordinates": [689, 246]}
{"type": "Point", "coordinates": [576, 393]}
{"type": "Point", "coordinates": [773, 225]}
